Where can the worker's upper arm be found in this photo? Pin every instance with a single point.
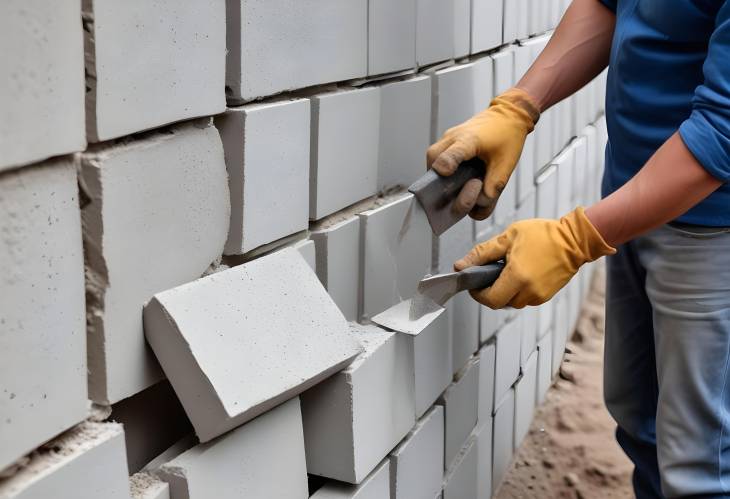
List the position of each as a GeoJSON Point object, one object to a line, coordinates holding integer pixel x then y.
{"type": "Point", "coordinates": [707, 131]}
{"type": "Point", "coordinates": [611, 4]}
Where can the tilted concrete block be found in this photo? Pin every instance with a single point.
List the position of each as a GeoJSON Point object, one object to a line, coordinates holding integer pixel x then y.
{"type": "Point", "coordinates": [486, 24]}
{"type": "Point", "coordinates": [42, 329]}
{"type": "Point", "coordinates": [432, 363]}
{"type": "Point", "coordinates": [344, 149]}
{"type": "Point", "coordinates": [354, 418]}
{"type": "Point", "coordinates": [417, 464]}
{"type": "Point", "coordinates": [484, 459]}
{"type": "Point", "coordinates": [263, 458]}
{"type": "Point", "coordinates": [434, 31]}
{"type": "Point", "coordinates": [42, 89]}
{"type": "Point", "coordinates": [391, 36]}
{"type": "Point", "coordinates": [504, 69]}
{"type": "Point", "coordinates": [544, 366]}
{"type": "Point", "coordinates": [338, 257]}
{"type": "Point", "coordinates": [375, 486]}
{"type": "Point", "coordinates": [503, 438]}
{"type": "Point", "coordinates": [485, 404]}
{"type": "Point", "coordinates": [308, 251]}
{"type": "Point", "coordinates": [267, 157]}
{"type": "Point", "coordinates": [233, 344]}
{"type": "Point", "coordinates": [454, 94]}
{"type": "Point", "coordinates": [525, 390]}
{"type": "Point", "coordinates": [507, 365]}
{"type": "Point", "coordinates": [405, 131]}
{"type": "Point", "coordinates": [464, 312]}
{"type": "Point", "coordinates": [460, 402]}
{"type": "Point", "coordinates": [293, 45]}
{"type": "Point", "coordinates": [396, 252]}
{"type": "Point", "coordinates": [146, 486]}
{"type": "Point", "coordinates": [462, 28]}
{"type": "Point", "coordinates": [180, 76]}
{"type": "Point", "coordinates": [157, 217]}
{"type": "Point", "coordinates": [460, 481]}
{"type": "Point", "coordinates": [87, 462]}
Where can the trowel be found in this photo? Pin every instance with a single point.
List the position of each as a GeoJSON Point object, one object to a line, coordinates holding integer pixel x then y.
{"type": "Point", "coordinates": [436, 193]}
{"type": "Point", "coordinates": [414, 315]}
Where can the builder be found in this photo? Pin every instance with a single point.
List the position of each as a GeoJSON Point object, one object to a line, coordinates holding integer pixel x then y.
{"type": "Point", "coordinates": [664, 221]}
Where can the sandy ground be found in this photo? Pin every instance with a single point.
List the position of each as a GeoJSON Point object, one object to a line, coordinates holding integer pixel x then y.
{"type": "Point", "coordinates": [570, 451]}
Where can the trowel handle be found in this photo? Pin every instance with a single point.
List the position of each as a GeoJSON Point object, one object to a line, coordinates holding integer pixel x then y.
{"type": "Point", "coordinates": [481, 276]}
{"type": "Point", "coordinates": [442, 189]}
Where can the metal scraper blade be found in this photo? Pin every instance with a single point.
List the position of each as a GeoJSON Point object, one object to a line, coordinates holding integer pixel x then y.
{"type": "Point", "coordinates": [433, 292]}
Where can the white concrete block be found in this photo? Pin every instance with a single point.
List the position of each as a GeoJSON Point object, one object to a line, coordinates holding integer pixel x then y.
{"type": "Point", "coordinates": [158, 217]}
{"type": "Point", "coordinates": [547, 193]}
{"type": "Point", "coordinates": [233, 343]}
{"type": "Point", "coordinates": [507, 365]}
{"type": "Point", "coordinates": [42, 323]}
{"type": "Point", "coordinates": [263, 458]}
{"type": "Point", "coordinates": [460, 481]}
{"type": "Point", "coordinates": [391, 35]}
{"type": "Point", "coordinates": [525, 390]}
{"type": "Point", "coordinates": [405, 131]}
{"type": "Point", "coordinates": [486, 25]}
{"type": "Point", "coordinates": [490, 321]}
{"type": "Point", "coordinates": [180, 76]}
{"type": "Point", "coordinates": [396, 253]}
{"type": "Point", "coordinates": [267, 158]}
{"type": "Point", "coordinates": [460, 402]}
{"type": "Point", "coordinates": [580, 168]}
{"type": "Point", "coordinates": [544, 366]}
{"type": "Point", "coordinates": [503, 438]}
{"type": "Point", "coordinates": [432, 363]}
{"type": "Point", "coordinates": [523, 20]}
{"type": "Point", "coordinates": [464, 312]}
{"type": "Point", "coordinates": [504, 69]}
{"type": "Point", "coordinates": [307, 249]}
{"type": "Point", "coordinates": [417, 464]}
{"type": "Point", "coordinates": [483, 75]}
{"type": "Point", "coordinates": [344, 149]}
{"type": "Point", "coordinates": [375, 486]}
{"type": "Point", "coordinates": [462, 28]}
{"type": "Point", "coordinates": [510, 27]}
{"type": "Point", "coordinates": [504, 212]}
{"type": "Point", "coordinates": [560, 332]}
{"type": "Point", "coordinates": [146, 486]}
{"type": "Point", "coordinates": [564, 163]}
{"type": "Point", "coordinates": [338, 257]}
{"type": "Point", "coordinates": [485, 406]}
{"type": "Point", "coordinates": [354, 418]}
{"type": "Point", "coordinates": [434, 31]}
{"type": "Point", "coordinates": [529, 317]}
{"type": "Point", "coordinates": [451, 246]}
{"type": "Point", "coordinates": [484, 460]}
{"type": "Point", "coordinates": [280, 45]}
{"type": "Point", "coordinates": [42, 88]}
{"type": "Point", "coordinates": [454, 94]}
{"type": "Point", "coordinates": [87, 462]}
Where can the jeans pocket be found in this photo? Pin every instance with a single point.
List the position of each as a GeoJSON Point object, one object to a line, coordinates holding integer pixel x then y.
{"type": "Point", "coordinates": [698, 232]}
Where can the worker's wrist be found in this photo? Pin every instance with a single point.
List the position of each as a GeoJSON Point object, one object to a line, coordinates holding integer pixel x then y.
{"type": "Point", "coordinates": [521, 104]}
{"type": "Point", "coordinates": [590, 243]}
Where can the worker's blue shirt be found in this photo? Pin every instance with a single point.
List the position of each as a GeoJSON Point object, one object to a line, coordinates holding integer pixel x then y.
{"type": "Point", "coordinates": [669, 71]}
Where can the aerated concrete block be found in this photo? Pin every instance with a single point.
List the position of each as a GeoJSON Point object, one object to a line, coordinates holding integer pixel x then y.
{"type": "Point", "coordinates": [344, 149]}
{"type": "Point", "coordinates": [507, 365]}
{"type": "Point", "coordinates": [451, 246]}
{"type": "Point", "coordinates": [391, 36]}
{"type": "Point", "coordinates": [483, 83]}
{"type": "Point", "coordinates": [490, 321]}
{"type": "Point", "coordinates": [460, 402]}
{"type": "Point", "coordinates": [529, 317]}
{"type": "Point", "coordinates": [504, 69]}
{"type": "Point", "coordinates": [512, 14]}
{"type": "Point", "coordinates": [263, 458]}
{"type": "Point", "coordinates": [338, 256]}
{"type": "Point", "coordinates": [280, 45]}
{"type": "Point", "coordinates": [453, 89]}
{"type": "Point", "coordinates": [157, 217]}
{"type": "Point", "coordinates": [503, 438]}
{"type": "Point", "coordinates": [504, 212]}
{"type": "Point", "coordinates": [484, 460]}
{"type": "Point", "coordinates": [42, 323]}
{"type": "Point", "coordinates": [307, 249]}
{"type": "Point", "coordinates": [417, 464]}
{"type": "Point", "coordinates": [464, 312]}
{"type": "Point", "coordinates": [462, 28]}
{"type": "Point", "coordinates": [396, 252]}
{"type": "Point", "coordinates": [544, 366]}
{"type": "Point", "coordinates": [525, 390]}
{"type": "Point", "coordinates": [434, 31]}
{"type": "Point", "coordinates": [146, 486]}
{"type": "Point", "coordinates": [580, 169]}
{"type": "Point", "coordinates": [432, 363]}
{"type": "Point", "coordinates": [485, 404]}
{"type": "Point", "coordinates": [180, 76]}
{"type": "Point", "coordinates": [233, 343]}
{"type": "Point", "coordinates": [564, 163]}
{"type": "Point", "coordinates": [87, 462]}
{"type": "Point", "coordinates": [460, 481]}
{"type": "Point", "coordinates": [354, 418]}
{"type": "Point", "coordinates": [267, 158]}
{"type": "Point", "coordinates": [42, 88]}
{"type": "Point", "coordinates": [560, 331]}
{"type": "Point", "coordinates": [486, 25]}
{"type": "Point", "coordinates": [547, 193]}
{"type": "Point", "coordinates": [405, 131]}
{"type": "Point", "coordinates": [375, 486]}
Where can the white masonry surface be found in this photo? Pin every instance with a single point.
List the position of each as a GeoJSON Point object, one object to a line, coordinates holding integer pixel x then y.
{"type": "Point", "coordinates": [238, 219]}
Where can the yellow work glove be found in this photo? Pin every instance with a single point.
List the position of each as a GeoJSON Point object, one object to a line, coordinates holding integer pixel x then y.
{"type": "Point", "coordinates": [496, 136]}
{"type": "Point", "coordinates": [541, 256]}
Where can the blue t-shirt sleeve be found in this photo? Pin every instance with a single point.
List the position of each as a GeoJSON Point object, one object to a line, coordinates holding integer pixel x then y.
{"type": "Point", "coordinates": [706, 132]}
{"type": "Point", "coordinates": [611, 4]}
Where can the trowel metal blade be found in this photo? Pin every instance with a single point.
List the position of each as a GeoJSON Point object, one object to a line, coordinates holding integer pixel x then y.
{"type": "Point", "coordinates": [398, 318]}
{"type": "Point", "coordinates": [437, 289]}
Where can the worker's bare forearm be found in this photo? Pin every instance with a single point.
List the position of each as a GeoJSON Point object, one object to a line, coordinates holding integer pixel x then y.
{"type": "Point", "coordinates": [668, 185]}
{"type": "Point", "coordinates": [577, 52]}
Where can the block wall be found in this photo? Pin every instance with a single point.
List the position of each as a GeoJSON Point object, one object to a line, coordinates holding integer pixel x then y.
{"type": "Point", "coordinates": [202, 206]}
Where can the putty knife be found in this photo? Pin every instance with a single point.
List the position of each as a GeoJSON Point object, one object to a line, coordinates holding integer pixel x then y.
{"type": "Point", "coordinates": [436, 193]}
{"type": "Point", "coordinates": [414, 315]}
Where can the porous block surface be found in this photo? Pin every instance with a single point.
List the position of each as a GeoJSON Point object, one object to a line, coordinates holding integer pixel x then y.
{"type": "Point", "coordinates": [233, 343]}
{"type": "Point", "coordinates": [375, 486]}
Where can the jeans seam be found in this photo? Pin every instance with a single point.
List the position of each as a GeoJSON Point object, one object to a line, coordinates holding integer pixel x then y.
{"type": "Point", "coordinates": [723, 425]}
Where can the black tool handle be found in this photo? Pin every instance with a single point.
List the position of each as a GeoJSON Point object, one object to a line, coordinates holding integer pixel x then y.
{"type": "Point", "coordinates": [481, 276]}
{"type": "Point", "coordinates": [445, 189]}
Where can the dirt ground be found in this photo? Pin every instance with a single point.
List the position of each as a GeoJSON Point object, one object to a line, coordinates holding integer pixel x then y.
{"type": "Point", "coordinates": [570, 451]}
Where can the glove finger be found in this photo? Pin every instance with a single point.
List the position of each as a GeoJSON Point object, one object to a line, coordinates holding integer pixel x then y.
{"type": "Point", "coordinates": [502, 292]}
{"type": "Point", "coordinates": [489, 251]}
{"type": "Point", "coordinates": [449, 160]}
{"type": "Point", "coordinates": [496, 179]}
{"type": "Point", "coordinates": [468, 196]}
{"type": "Point", "coordinates": [483, 208]}
{"type": "Point", "coordinates": [436, 149]}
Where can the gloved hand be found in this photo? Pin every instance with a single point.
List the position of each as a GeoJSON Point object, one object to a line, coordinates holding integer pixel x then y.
{"type": "Point", "coordinates": [496, 136]}
{"type": "Point", "coordinates": [541, 256]}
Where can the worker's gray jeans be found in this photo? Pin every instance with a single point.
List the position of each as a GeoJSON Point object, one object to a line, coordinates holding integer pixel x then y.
{"type": "Point", "coordinates": [667, 357]}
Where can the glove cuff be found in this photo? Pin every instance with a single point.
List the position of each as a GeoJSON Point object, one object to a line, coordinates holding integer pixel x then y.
{"type": "Point", "coordinates": [521, 103]}
{"type": "Point", "coordinates": [589, 243]}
